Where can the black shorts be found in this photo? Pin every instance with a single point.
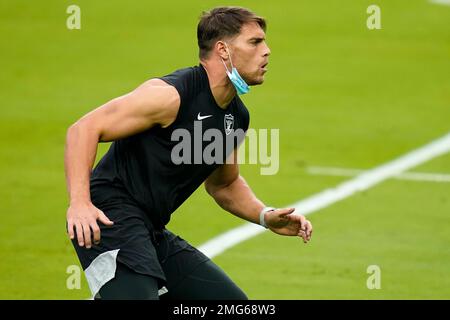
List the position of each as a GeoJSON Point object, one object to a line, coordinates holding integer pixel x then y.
{"type": "Point", "coordinates": [134, 242]}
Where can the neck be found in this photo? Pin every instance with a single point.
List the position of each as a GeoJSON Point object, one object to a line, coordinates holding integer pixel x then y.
{"type": "Point", "coordinates": [221, 87]}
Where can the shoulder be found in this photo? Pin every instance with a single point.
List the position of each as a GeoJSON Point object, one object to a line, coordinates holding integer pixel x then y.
{"type": "Point", "coordinates": [158, 99]}
{"type": "Point", "coordinates": [186, 81]}
{"type": "Point", "coordinates": [179, 74]}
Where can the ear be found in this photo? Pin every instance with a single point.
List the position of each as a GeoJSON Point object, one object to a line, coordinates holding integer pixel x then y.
{"type": "Point", "coordinates": [221, 50]}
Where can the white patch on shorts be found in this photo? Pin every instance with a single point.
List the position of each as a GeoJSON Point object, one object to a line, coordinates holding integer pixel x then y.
{"type": "Point", "coordinates": [162, 291]}
{"type": "Point", "coordinates": [101, 270]}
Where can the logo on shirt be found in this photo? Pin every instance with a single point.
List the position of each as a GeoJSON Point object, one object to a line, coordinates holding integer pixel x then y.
{"type": "Point", "coordinates": [200, 117]}
{"type": "Point", "coordinates": [229, 123]}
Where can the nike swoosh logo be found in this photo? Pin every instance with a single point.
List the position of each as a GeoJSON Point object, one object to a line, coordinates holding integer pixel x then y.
{"type": "Point", "coordinates": [199, 117]}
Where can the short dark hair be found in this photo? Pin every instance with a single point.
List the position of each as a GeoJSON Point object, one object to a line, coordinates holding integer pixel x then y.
{"type": "Point", "coordinates": [223, 22]}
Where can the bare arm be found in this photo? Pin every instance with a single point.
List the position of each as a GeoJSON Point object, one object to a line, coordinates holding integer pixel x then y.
{"type": "Point", "coordinates": [153, 103]}
{"type": "Point", "coordinates": [233, 194]}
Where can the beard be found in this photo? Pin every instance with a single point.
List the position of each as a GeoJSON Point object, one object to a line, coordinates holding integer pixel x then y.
{"type": "Point", "coordinates": [253, 79]}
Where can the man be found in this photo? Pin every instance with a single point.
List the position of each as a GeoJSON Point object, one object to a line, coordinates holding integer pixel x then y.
{"type": "Point", "coordinates": [136, 186]}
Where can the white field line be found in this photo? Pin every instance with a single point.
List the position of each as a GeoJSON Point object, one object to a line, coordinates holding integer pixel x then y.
{"type": "Point", "coordinates": [414, 176]}
{"type": "Point", "coordinates": [443, 2]}
{"type": "Point", "coordinates": [323, 199]}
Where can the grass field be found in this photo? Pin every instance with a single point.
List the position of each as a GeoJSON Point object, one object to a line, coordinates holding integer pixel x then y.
{"type": "Point", "coordinates": [341, 95]}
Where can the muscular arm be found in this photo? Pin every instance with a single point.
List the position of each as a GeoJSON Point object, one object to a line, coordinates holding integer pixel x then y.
{"type": "Point", "coordinates": [152, 103]}
{"type": "Point", "coordinates": [234, 195]}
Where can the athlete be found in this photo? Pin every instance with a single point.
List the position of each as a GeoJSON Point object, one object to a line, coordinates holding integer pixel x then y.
{"type": "Point", "coordinates": [118, 212]}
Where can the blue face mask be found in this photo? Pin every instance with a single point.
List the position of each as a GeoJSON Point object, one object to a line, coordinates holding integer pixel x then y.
{"type": "Point", "coordinates": [235, 78]}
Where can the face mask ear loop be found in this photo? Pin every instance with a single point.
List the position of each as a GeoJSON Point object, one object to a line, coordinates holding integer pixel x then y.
{"type": "Point", "coordinates": [226, 68]}
{"type": "Point", "coordinates": [229, 54]}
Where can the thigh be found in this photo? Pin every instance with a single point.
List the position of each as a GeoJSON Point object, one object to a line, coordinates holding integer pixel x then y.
{"type": "Point", "coordinates": [206, 282]}
{"type": "Point", "coordinates": [128, 284]}
{"type": "Point", "coordinates": [193, 276]}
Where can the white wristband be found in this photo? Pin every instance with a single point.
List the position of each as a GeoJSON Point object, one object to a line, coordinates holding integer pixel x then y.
{"type": "Point", "coordinates": [262, 215]}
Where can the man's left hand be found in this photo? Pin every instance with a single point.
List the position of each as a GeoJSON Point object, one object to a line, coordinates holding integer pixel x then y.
{"type": "Point", "coordinates": [284, 222]}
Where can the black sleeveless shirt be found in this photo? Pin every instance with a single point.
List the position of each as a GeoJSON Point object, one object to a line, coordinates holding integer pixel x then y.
{"type": "Point", "coordinates": [142, 165]}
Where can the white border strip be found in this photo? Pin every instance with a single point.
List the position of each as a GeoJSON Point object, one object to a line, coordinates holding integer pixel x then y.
{"type": "Point", "coordinates": [328, 197]}
{"type": "Point", "coordinates": [412, 176]}
{"type": "Point", "coordinates": [442, 2]}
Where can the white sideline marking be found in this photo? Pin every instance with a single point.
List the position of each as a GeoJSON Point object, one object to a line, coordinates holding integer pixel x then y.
{"type": "Point", "coordinates": [327, 197]}
{"type": "Point", "coordinates": [443, 2]}
{"type": "Point", "coordinates": [414, 176]}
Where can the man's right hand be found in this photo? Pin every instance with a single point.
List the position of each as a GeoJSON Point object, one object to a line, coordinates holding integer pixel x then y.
{"type": "Point", "coordinates": [83, 217]}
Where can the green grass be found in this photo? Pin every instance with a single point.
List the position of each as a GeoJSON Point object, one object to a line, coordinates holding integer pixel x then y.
{"type": "Point", "coordinates": [341, 95]}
